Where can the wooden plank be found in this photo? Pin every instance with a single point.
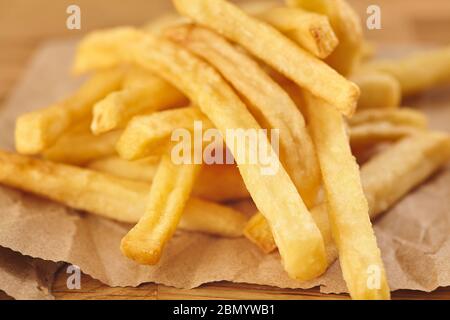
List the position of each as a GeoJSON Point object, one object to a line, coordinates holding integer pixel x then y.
{"type": "Point", "coordinates": [93, 289]}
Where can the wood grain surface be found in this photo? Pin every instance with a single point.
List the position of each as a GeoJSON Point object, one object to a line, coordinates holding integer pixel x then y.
{"type": "Point", "coordinates": [24, 24]}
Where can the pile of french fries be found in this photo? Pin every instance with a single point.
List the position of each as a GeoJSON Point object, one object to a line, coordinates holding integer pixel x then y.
{"type": "Point", "coordinates": [302, 68]}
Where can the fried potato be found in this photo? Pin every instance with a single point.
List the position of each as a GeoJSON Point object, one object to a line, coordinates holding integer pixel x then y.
{"type": "Point", "coordinates": [347, 26]}
{"type": "Point", "coordinates": [402, 117]}
{"type": "Point", "coordinates": [79, 146]}
{"type": "Point", "coordinates": [379, 90]}
{"type": "Point", "coordinates": [108, 196]}
{"type": "Point", "coordinates": [212, 218]}
{"type": "Point", "coordinates": [149, 134]}
{"type": "Point", "coordinates": [215, 182]}
{"type": "Point", "coordinates": [266, 43]}
{"type": "Point", "coordinates": [296, 234]}
{"type": "Point", "coordinates": [38, 130]}
{"type": "Point", "coordinates": [105, 49]}
{"type": "Point", "coordinates": [268, 102]}
{"type": "Point", "coordinates": [169, 194]}
{"type": "Point", "coordinates": [372, 133]}
{"type": "Point", "coordinates": [386, 178]}
{"type": "Point", "coordinates": [348, 209]}
{"type": "Point", "coordinates": [417, 72]}
{"type": "Point", "coordinates": [311, 31]}
{"type": "Point", "coordinates": [391, 174]}
{"type": "Point", "coordinates": [151, 94]}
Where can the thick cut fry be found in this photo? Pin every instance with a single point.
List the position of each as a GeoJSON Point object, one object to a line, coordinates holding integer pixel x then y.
{"type": "Point", "coordinates": [267, 43]}
{"type": "Point", "coordinates": [297, 236]}
{"type": "Point", "coordinates": [386, 178]}
{"type": "Point", "coordinates": [148, 135]}
{"type": "Point", "coordinates": [79, 146]}
{"type": "Point", "coordinates": [403, 117]}
{"type": "Point", "coordinates": [348, 209]}
{"type": "Point", "coordinates": [418, 72]}
{"type": "Point", "coordinates": [38, 130]}
{"type": "Point", "coordinates": [108, 196]}
{"type": "Point", "coordinates": [311, 31]}
{"type": "Point", "coordinates": [119, 107]}
{"type": "Point", "coordinates": [347, 26]}
{"type": "Point", "coordinates": [215, 182]}
{"type": "Point", "coordinates": [169, 194]}
{"type": "Point", "coordinates": [268, 102]}
{"type": "Point", "coordinates": [212, 218]}
{"type": "Point", "coordinates": [373, 133]}
{"type": "Point", "coordinates": [105, 49]}
{"type": "Point", "coordinates": [379, 90]}
{"type": "Point", "coordinates": [390, 175]}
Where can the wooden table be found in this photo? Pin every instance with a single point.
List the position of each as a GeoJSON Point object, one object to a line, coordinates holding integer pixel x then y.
{"type": "Point", "coordinates": [25, 24]}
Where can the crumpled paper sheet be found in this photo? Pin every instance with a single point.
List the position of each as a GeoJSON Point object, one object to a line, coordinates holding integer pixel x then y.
{"type": "Point", "coordinates": [26, 278]}
{"type": "Point", "coordinates": [413, 236]}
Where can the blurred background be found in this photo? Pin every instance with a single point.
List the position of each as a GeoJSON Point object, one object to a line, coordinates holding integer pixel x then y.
{"type": "Point", "coordinates": [24, 24]}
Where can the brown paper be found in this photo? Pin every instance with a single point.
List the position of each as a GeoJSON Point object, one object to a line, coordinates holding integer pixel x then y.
{"type": "Point", "coordinates": [25, 278]}
{"type": "Point", "coordinates": [413, 236]}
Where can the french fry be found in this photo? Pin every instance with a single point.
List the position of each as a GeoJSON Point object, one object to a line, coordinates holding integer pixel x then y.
{"type": "Point", "coordinates": [347, 26]}
{"type": "Point", "coordinates": [151, 94]}
{"type": "Point", "coordinates": [386, 178]}
{"type": "Point", "coordinates": [38, 130]}
{"type": "Point", "coordinates": [149, 134]}
{"type": "Point", "coordinates": [212, 218]}
{"type": "Point", "coordinates": [372, 133]}
{"type": "Point", "coordinates": [215, 182]}
{"type": "Point", "coordinates": [403, 117]}
{"type": "Point", "coordinates": [79, 146]}
{"type": "Point", "coordinates": [379, 90]}
{"type": "Point", "coordinates": [348, 209]}
{"type": "Point", "coordinates": [108, 196]}
{"type": "Point", "coordinates": [417, 72]}
{"type": "Point", "coordinates": [169, 194]}
{"type": "Point", "coordinates": [269, 103]}
{"type": "Point", "coordinates": [391, 174]}
{"type": "Point", "coordinates": [311, 31]}
{"type": "Point", "coordinates": [105, 49]}
{"type": "Point", "coordinates": [296, 234]}
{"type": "Point", "coordinates": [295, 63]}
{"type": "Point", "coordinates": [368, 51]}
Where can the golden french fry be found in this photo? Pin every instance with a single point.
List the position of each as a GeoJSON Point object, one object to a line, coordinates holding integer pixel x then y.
{"type": "Point", "coordinates": [347, 26]}
{"type": "Point", "coordinates": [169, 194]}
{"type": "Point", "coordinates": [158, 25]}
{"type": "Point", "coordinates": [105, 49]}
{"type": "Point", "coordinates": [38, 130]}
{"type": "Point", "coordinates": [391, 174]}
{"type": "Point", "coordinates": [213, 218]}
{"type": "Point", "coordinates": [152, 94]}
{"type": "Point", "coordinates": [368, 51]}
{"type": "Point", "coordinates": [348, 209]}
{"type": "Point", "coordinates": [379, 90]}
{"type": "Point", "coordinates": [269, 103]}
{"type": "Point", "coordinates": [386, 178]}
{"type": "Point", "coordinates": [267, 43]}
{"type": "Point", "coordinates": [417, 72]}
{"type": "Point", "coordinates": [372, 133]}
{"type": "Point", "coordinates": [403, 117]}
{"type": "Point", "coordinates": [149, 134]}
{"type": "Point", "coordinates": [296, 234]}
{"type": "Point", "coordinates": [215, 182]}
{"type": "Point", "coordinates": [79, 146]}
{"type": "Point", "coordinates": [311, 31]}
{"type": "Point", "coordinates": [108, 196]}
